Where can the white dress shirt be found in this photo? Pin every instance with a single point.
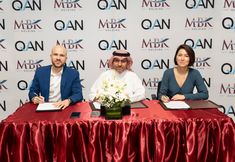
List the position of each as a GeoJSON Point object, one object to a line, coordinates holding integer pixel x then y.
{"type": "Point", "coordinates": [134, 89]}
{"type": "Point", "coordinates": [54, 94]}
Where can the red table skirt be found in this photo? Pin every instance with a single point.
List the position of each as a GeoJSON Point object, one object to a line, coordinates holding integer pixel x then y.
{"type": "Point", "coordinates": [152, 135]}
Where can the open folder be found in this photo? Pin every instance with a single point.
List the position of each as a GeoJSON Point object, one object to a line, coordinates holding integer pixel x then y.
{"type": "Point", "coordinates": [175, 105]}
{"type": "Point", "coordinates": [47, 106]}
{"type": "Point", "coordinates": [189, 104]}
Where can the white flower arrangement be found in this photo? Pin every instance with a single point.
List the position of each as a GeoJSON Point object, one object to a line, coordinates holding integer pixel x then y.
{"type": "Point", "coordinates": [112, 94]}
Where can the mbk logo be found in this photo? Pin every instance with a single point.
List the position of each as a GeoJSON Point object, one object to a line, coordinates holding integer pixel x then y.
{"type": "Point", "coordinates": [202, 62]}
{"type": "Point", "coordinates": [199, 22]}
{"type": "Point", "coordinates": [29, 64]}
{"type": "Point", "coordinates": [155, 3]}
{"type": "Point", "coordinates": [2, 85]}
{"type": "Point", "coordinates": [71, 44]}
{"type": "Point", "coordinates": [228, 45]}
{"type": "Point", "coordinates": [227, 89]}
{"type": "Point", "coordinates": [155, 43]}
{"type": "Point", "coordinates": [67, 4]}
{"type": "Point", "coordinates": [112, 23]}
{"type": "Point", "coordinates": [151, 82]}
{"type": "Point", "coordinates": [1, 44]}
{"type": "Point", "coordinates": [27, 24]}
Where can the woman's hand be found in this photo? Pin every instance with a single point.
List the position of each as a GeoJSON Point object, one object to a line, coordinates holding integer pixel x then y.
{"type": "Point", "coordinates": [178, 97]}
{"type": "Point", "coordinates": [165, 98]}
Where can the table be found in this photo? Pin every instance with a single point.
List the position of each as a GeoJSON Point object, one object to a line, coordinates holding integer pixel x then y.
{"type": "Point", "coordinates": [148, 134]}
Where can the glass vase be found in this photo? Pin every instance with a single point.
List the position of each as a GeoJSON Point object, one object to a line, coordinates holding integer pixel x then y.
{"type": "Point", "coordinates": [113, 112]}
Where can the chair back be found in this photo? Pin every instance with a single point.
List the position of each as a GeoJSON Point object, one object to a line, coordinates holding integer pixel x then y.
{"type": "Point", "coordinates": [154, 96]}
{"type": "Point", "coordinates": [158, 89]}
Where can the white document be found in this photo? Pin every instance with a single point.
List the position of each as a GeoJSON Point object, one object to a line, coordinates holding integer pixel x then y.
{"type": "Point", "coordinates": [177, 105]}
{"type": "Point", "coordinates": [96, 105]}
{"type": "Point", "coordinates": [47, 106]}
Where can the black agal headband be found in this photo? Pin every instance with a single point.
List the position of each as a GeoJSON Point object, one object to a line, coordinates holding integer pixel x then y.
{"type": "Point", "coordinates": [121, 54]}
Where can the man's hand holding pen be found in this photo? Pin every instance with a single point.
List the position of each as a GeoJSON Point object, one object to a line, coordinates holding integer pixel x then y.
{"type": "Point", "coordinates": [38, 99]}
{"type": "Point", "coordinates": [60, 104]}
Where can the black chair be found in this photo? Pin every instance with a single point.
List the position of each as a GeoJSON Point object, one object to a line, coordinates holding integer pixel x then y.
{"type": "Point", "coordinates": [154, 96]}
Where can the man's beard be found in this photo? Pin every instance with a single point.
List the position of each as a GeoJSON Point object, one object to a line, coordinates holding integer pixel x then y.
{"type": "Point", "coordinates": [56, 66]}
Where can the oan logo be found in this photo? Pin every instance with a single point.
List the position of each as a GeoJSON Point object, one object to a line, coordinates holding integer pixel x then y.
{"type": "Point", "coordinates": [199, 43]}
{"type": "Point", "coordinates": [74, 25]}
{"type": "Point", "coordinates": [228, 69]}
{"type": "Point", "coordinates": [3, 66]}
{"type": "Point", "coordinates": [77, 64]}
{"type": "Point", "coordinates": [112, 4]}
{"type": "Point", "coordinates": [29, 46]}
{"type": "Point", "coordinates": [230, 111]}
{"type": "Point", "coordinates": [112, 44]}
{"type": "Point", "coordinates": [155, 5]}
{"type": "Point", "coordinates": [207, 82]}
{"type": "Point", "coordinates": [3, 105]}
{"type": "Point", "coordinates": [2, 24]}
{"type": "Point", "coordinates": [147, 64]}
{"type": "Point", "coordinates": [22, 5]}
{"type": "Point", "coordinates": [228, 23]}
{"type": "Point", "coordinates": [161, 24]}
{"type": "Point", "coordinates": [23, 85]}
{"type": "Point", "coordinates": [196, 4]}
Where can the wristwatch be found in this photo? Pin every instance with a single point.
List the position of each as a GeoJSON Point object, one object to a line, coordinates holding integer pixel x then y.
{"type": "Point", "coordinates": [70, 101]}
